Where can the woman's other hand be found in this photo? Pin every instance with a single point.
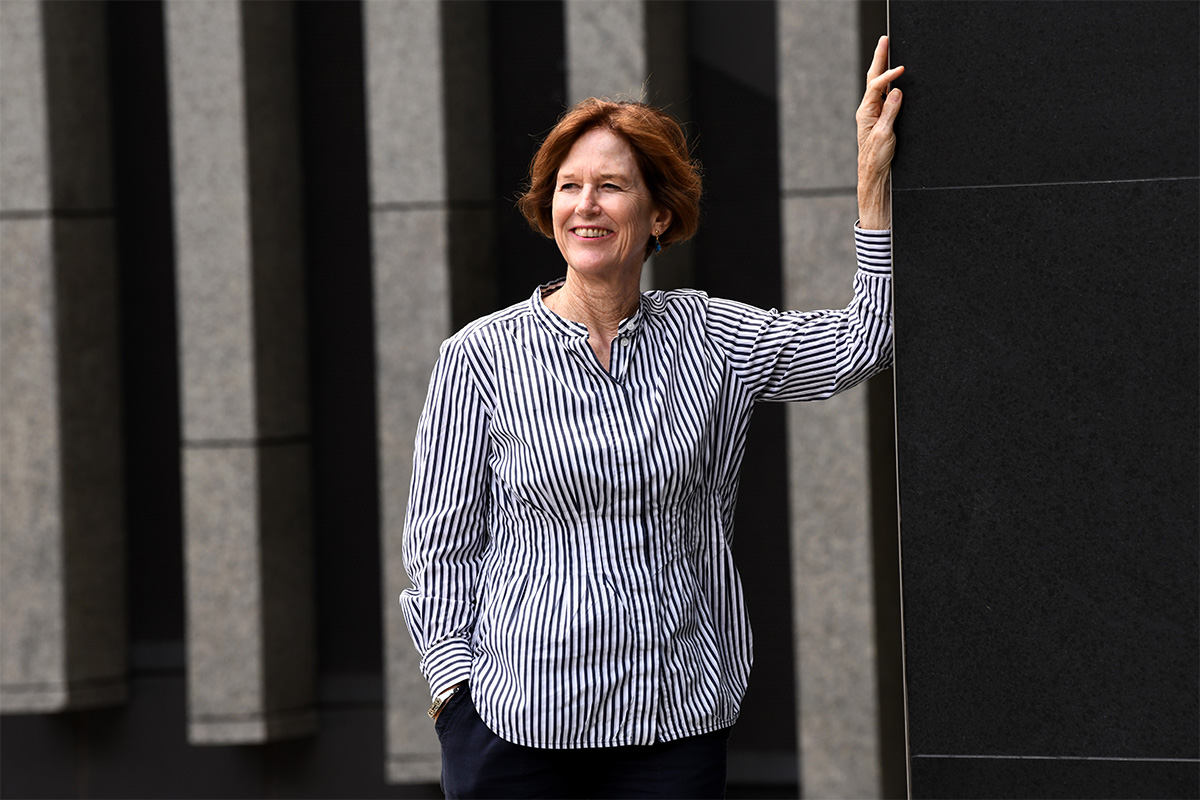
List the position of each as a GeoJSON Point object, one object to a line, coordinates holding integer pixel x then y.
{"type": "Point", "coordinates": [876, 141]}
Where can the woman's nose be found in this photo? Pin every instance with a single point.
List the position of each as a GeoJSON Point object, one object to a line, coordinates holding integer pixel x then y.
{"type": "Point", "coordinates": [587, 200]}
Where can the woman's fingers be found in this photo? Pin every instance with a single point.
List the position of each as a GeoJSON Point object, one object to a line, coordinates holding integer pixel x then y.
{"type": "Point", "coordinates": [876, 138]}
{"type": "Point", "coordinates": [878, 78]}
{"type": "Point", "coordinates": [891, 107]}
{"type": "Point", "coordinates": [877, 86]}
{"type": "Point", "coordinates": [879, 60]}
{"type": "Point", "coordinates": [879, 126]}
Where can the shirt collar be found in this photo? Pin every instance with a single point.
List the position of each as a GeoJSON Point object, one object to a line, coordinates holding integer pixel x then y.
{"type": "Point", "coordinates": [565, 327]}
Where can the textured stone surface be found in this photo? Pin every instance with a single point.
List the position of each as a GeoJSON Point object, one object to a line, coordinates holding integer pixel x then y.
{"type": "Point", "coordinates": [832, 582]}
{"type": "Point", "coordinates": [249, 601]}
{"type": "Point", "coordinates": [62, 594]}
{"type": "Point", "coordinates": [1046, 393]}
{"type": "Point", "coordinates": [470, 249]}
{"type": "Point", "coordinates": [820, 86]}
{"type": "Point", "coordinates": [412, 313]}
{"type": "Point", "coordinates": [236, 171]}
{"type": "Point", "coordinates": [831, 544]}
{"type": "Point", "coordinates": [412, 318]}
{"type": "Point", "coordinates": [288, 600]}
{"type": "Point", "coordinates": [243, 360]}
{"type": "Point", "coordinates": [606, 49]}
{"type": "Point", "coordinates": [33, 633]}
{"type": "Point", "coordinates": [240, 266]}
{"type": "Point", "coordinates": [276, 238]}
{"type": "Point", "coordinates": [224, 632]}
{"type": "Point", "coordinates": [411, 236]}
{"type": "Point", "coordinates": [404, 101]}
{"type": "Point", "coordinates": [818, 251]}
{"type": "Point", "coordinates": [62, 586]}
{"type": "Point", "coordinates": [24, 142]}
{"type": "Point", "coordinates": [838, 725]}
{"type": "Point", "coordinates": [212, 220]}
{"type": "Point", "coordinates": [76, 64]}
{"type": "Point", "coordinates": [432, 233]}
{"type": "Point", "coordinates": [1048, 469]}
{"type": "Point", "coordinates": [467, 104]}
{"type": "Point", "coordinates": [1049, 131]}
{"type": "Point", "coordinates": [1052, 779]}
{"type": "Point", "coordinates": [92, 477]}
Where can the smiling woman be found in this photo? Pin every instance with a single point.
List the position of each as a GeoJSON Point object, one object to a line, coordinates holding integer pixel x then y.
{"type": "Point", "coordinates": [604, 217]}
{"type": "Point", "coordinates": [659, 150]}
{"type": "Point", "coordinates": [612, 183]}
{"type": "Point", "coordinates": [605, 222]}
{"type": "Point", "coordinates": [574, 599]}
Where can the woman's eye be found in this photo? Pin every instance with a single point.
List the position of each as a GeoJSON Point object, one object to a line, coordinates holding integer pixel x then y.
{"type": "Point", "coordinates": [611, 186]}
{"type": "Point", "coordinates": [566, 186]}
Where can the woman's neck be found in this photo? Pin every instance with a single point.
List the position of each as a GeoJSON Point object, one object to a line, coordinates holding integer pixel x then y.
{"type": "Point", "coordinates": [599, 306]}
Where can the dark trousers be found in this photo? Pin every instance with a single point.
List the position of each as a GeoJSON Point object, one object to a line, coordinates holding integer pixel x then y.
{"type": "Point", "coordinates": [478, 763]}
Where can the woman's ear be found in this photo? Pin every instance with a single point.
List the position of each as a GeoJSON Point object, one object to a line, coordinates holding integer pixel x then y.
{"type": "Point", "coordinates": [662, 220]}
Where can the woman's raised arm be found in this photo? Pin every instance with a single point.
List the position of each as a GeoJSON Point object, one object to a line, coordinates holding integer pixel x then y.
{"type": "Point", "coordinates": [877, 142]}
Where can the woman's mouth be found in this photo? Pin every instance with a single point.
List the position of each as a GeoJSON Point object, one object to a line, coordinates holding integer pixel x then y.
{"type": "Point", "coordinates": [591, 233]}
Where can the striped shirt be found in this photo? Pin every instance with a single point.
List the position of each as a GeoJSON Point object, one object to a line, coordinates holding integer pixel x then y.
{"type": "Point", "coordinates": [568, 527]}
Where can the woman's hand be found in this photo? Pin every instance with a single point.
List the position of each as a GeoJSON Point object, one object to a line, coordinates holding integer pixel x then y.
{"type": "Point", "coordinates": [877, 142]}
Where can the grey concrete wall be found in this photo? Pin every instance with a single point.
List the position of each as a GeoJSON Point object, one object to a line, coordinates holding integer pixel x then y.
{"type": "Point", "coordinates": [62, 584]}
{"type": "Point", "coordinates": [428, 107]}
{"type": "Point", "coordinates": [820, 86]}
{"type": "Point", "coordinates": [243, 371]}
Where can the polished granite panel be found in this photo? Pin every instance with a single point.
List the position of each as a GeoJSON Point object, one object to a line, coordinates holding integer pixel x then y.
{"type": "Point", "coordinates": [1034, 92]}
{"type": "Point", "coordinates": [1046, 363]}
{"type": "Point", "coordinates": [988, 778]}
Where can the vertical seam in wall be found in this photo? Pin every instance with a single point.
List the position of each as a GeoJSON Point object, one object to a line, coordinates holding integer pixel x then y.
{"type": "Point", "coordinates": [899, 513]}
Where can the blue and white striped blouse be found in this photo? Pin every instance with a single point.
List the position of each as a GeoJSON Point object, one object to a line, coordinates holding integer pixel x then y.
{"type": "Point", "coordinates": [568, 528]}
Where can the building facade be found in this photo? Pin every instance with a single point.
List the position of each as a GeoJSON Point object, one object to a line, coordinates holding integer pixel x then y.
{"type": "Point", "coordinates": [234, 235]}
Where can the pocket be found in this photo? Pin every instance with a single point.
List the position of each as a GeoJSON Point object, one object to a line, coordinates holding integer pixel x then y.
{"type": "Point", "coordinates": [451, 711]}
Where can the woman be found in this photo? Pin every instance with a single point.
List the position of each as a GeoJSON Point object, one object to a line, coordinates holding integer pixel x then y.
{"type": "Point", "coordinates": [574, 601]}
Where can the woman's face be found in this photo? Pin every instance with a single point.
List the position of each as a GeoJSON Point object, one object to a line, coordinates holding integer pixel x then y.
{"type": "Point", "coordinates": [603, 213]}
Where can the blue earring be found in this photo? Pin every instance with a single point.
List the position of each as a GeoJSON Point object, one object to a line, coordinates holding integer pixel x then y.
{"type": "Point", "coordinates": [657, 243]}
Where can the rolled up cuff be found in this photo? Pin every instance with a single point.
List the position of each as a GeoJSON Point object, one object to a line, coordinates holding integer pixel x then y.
{"type": "Point", "coordinates": [873, 250]}
{"type": "Point", "coordinates": [446, 664]}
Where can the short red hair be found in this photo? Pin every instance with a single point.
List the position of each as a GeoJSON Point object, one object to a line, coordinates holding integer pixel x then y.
{"type": "Point", "coordinates": [659, 148]}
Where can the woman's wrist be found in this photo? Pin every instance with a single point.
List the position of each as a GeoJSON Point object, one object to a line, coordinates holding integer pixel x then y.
{"type": "Point", "coordinates": [874, 201]}
{"type": "Point", "coordinates": [874, 216]}
{"type": "Point", "coordinates": [443, 697]}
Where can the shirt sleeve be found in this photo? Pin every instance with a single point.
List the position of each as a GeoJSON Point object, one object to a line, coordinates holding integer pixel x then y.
{"type": "Point", "coordinates": [812, 355]}
{"type": "Point", "coordinates": [445, 530]}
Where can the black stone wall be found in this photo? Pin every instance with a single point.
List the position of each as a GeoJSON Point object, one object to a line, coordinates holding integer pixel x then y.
{"type": "Point", "coordinates": [1047, 250]}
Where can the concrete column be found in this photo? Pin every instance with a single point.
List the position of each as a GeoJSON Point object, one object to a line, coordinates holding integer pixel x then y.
{"type": "Point", "coordinates": [431, 196]}
{"type": "Point", "coordinates": [62, 575]}
{"type": "Point", "coordinates": [819, 89]}
{"type": "Point", "coordinates": [633, 50]}
{"type": "Point", "coordinates": [248, 549]}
